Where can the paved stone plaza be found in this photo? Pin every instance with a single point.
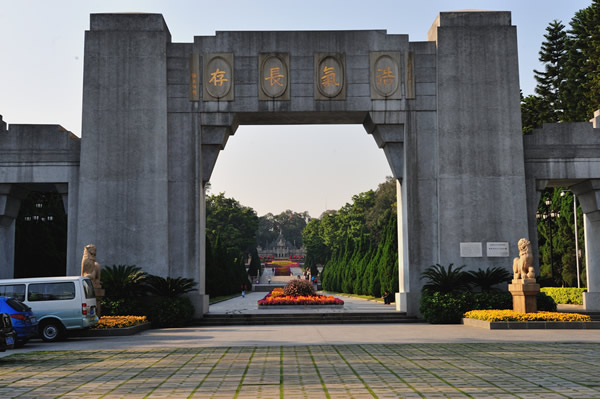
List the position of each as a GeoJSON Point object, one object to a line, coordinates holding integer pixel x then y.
{"type": "Point", "coordinates": [478, 370]}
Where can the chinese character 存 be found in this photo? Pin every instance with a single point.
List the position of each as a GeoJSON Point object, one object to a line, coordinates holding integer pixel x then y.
{"type": "Point", "coordinates": [385, 76]}
{"type": "Point", "coordinates": [328, 77]}
{"type": "Point", "coordinates": [275, 77]}
{"type": "Point", "coordinates": [218, 77]}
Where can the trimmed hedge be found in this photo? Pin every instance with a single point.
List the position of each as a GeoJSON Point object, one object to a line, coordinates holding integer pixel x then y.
{"type": "Point", "coordinates": [160, 311]}
{"type": "Point", "coordinates": [566, 295]}
{"type": "Point", "coordinates": [448, 308]}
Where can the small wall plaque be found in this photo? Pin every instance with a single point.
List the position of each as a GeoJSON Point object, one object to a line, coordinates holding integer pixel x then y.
{"type": "Point", "coordinates": [195, 77]}
{"type": "Point", "coordinates": [274, 76]}
{"type": "Point", "coordinates": [497, 249]}
{"type": "Point", "coordinates": [471, 250]}
{"type": "Point", "coordinates": [385, 75]}
{"type": "Point", "coordinates": [330, 76]}
{"type": "Point", "coordinates": [217, 77]}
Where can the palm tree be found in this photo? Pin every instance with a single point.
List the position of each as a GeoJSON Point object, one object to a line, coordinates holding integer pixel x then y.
{"type": "Point", "coordinates": [488, 278]}
{"type": "Point", "coordinates": [440, 279]}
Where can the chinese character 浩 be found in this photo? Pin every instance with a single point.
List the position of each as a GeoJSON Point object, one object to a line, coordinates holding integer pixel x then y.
{"type": "Point", "coordinates": [328, 77]}
{"type": "Point", "coordinates": [385, 76]}
{"type": "Point", "coordinates": [275, 77]}
{"type": "Point", "coordinates": [218, 77]}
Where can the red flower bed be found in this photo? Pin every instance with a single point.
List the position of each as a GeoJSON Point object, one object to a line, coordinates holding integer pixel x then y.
{"type": "Point", "coordinates": [270, 300]}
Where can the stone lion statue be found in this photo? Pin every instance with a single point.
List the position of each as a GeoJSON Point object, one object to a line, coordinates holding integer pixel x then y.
{"type": "Point", "coordinates": [89, 267]}
{"type": "Point", "coordinates": [523, 265]}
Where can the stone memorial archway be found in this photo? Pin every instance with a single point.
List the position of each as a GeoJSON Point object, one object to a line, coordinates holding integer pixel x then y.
{"type": "Point", "coordinates": [445, 112]}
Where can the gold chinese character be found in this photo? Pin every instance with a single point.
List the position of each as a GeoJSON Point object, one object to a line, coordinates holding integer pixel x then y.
{"type": "Point", "coordinates": [328, 77]}
{"type": "Point", "coordinates": [218, 77]}
{"type": "Point", "coordinates": [274, 77]}
{"type": "Point", "coordinates": [385, 76]}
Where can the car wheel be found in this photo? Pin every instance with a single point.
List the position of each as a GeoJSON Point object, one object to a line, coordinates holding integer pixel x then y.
{"type": "Point", "coordinates": [51, 330]}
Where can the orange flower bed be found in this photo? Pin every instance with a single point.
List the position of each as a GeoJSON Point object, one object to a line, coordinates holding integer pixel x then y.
{"type": "Point", "coordinates": [277, 298]}
{"type": "Point", "coordinates": [119, 321]}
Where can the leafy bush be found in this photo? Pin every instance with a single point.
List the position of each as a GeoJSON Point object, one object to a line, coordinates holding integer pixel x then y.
{"type": "Point", "coordinates": [485, 280]}
{"type": "Point", "coordinates": [123, 281]}
{"type": "Point", "coordinates": [565, 295]}
{"type": "Point", "coordinates": [169, 287]}
{"type": "Point", "coordinates": [169, 312]}
{"type": "Point", "coordinates": [440, 279]}
{"type": "Point", "coordinates": [448, 308]}
{"type": "Point", "coordinates": [545, 303]}
{"type": "Point", "coordinates": [299, 288]}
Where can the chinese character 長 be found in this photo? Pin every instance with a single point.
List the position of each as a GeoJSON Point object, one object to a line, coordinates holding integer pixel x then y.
{"type": "Point", "coordinates": [275, 77]}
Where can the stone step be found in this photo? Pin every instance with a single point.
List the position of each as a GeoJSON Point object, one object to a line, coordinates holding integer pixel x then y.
{"type": "Point", "coordinates": [309, 318]}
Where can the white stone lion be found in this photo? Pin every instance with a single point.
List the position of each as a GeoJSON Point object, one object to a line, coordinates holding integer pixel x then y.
{"type": "Point", "coordinates": [523, 265]}
{"type": "Point", "coordinates": [89, 267]}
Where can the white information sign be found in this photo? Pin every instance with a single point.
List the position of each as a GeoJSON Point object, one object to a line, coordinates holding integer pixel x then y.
{"type": "Point", "coordinates": [497, 249]}
{"type": "Point", "coordinates": [471, 250]}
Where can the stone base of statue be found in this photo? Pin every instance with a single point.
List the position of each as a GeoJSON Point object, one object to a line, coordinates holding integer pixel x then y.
{"type": "Point", "coordinates": [524, 293]}
{"type": "Point", "coordinates": [99, 295]}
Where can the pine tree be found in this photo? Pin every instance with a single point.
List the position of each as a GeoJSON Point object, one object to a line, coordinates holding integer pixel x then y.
{"type": "Point", "coordinates": [550, 81]}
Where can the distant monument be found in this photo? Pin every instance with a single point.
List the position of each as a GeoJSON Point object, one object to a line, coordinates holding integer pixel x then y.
{"type": "Point", "coordinates": [524, 288]}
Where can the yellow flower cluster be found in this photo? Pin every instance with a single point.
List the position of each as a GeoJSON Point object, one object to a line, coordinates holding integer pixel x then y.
{"type": "Point", "coordinates": [281, 263]}
{"type": "Point", "coordinates": [119, 321]}
{"type": "Point", "coordinates": [277, 292]}
{"type": "Point", "coordinates": [509, 315]}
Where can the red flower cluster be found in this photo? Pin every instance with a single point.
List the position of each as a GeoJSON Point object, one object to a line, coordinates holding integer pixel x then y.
{"type": "Point", "coordinates": [270, 300]}
{"type": "Point", "coordinates": [299, 257]}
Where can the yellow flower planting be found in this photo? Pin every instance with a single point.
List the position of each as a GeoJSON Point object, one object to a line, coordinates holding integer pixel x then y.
{"type": "Point", "coordinates": [119, 321]}
{"type": "Point", "coordinates": [282, 263]}
{"type": "Point", "coordinates": [509, 315]}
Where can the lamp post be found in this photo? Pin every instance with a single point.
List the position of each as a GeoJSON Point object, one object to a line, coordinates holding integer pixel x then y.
{"type": "Point", "coordinates": [549, 215]}
{"type": "Point", "coordinates": [562, 194]}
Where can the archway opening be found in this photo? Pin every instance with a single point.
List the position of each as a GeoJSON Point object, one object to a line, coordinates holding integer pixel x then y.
{"type": "Point", "coordinates": [298, 171]}
{"type": "Point", "coordinates": [41, 234]}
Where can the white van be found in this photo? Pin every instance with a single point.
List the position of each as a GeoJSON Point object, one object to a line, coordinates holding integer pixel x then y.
{"type": "Point", "coordinates": [58, 303]}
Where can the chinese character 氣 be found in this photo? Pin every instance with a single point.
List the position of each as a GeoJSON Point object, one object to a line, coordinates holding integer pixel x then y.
{"type": "Point", "coordinates": [328, 77]}
{"type": "Point", "coordinates": [218, 77]}
{"type": "Point", "coordinates": [275, 76]}
{"type": "Point", "coordinates": [385, 76]}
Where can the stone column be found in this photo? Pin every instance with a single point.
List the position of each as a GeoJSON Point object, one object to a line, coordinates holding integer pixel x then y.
{"type": "Point", "coordinates": [588, 194]}
{"type": "Point", "coordinates": [10, 202]}
{"type": "Point", "coordinates": [123, 177]}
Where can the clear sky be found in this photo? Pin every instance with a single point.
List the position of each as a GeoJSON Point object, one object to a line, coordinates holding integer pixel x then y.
{"type": "Point", "coordinates": [272, 168]}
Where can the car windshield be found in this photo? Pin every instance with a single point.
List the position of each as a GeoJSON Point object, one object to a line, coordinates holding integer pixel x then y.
{"type": "Point", "coordinates": [88, 288]}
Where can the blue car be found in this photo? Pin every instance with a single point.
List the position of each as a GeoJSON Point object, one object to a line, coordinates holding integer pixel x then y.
{"type": "Point", "coordinates": [23, 320]}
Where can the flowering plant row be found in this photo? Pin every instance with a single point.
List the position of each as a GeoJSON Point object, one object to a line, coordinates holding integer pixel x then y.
{"type": "Point", "coordinates": [296, 257]}
{"type": "Point", "coordinates": [119, 321]}
{"type": "Point", "coordinates": [510, 315]}
{"type": "Point", "coordinates": [280, 299]}
{"type": "Point", "coordinates": [282, 263]}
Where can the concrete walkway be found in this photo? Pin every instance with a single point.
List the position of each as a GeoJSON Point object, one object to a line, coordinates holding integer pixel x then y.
{"type": "Point", "coordinates": [248, 305]}
{"type": "Point", "coordinates": [311, 361]}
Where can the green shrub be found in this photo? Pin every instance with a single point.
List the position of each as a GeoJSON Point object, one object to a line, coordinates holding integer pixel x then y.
{"type": "Point", "coordinates": [565, 295]}
{"type": "Point", "coordinates": [169, 312]}
{"type": "Point", "coordinates": [545, 303]}
{"type": "Point", "coordinates": [448, 308]}
{"type": "Point", "coordinates": [299, 288]}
